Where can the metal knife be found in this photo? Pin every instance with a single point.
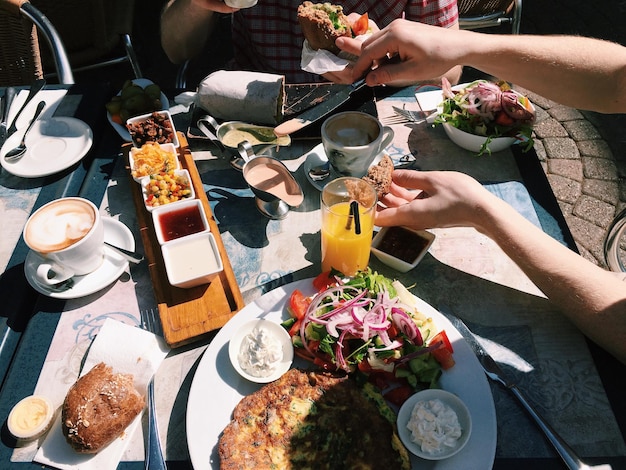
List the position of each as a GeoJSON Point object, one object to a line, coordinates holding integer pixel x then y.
{"type": "Point", "coordinates": [34, 89]}
{"type": "Point", "coordinates": [313, 114]}
{"type": "Point", "coordinates": [9, 94]}
{"type": "Point", "coordinates": [495, 373]}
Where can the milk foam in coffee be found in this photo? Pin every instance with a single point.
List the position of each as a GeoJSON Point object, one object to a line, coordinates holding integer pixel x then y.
{"type": "Point", "coordinates": [59, 225]}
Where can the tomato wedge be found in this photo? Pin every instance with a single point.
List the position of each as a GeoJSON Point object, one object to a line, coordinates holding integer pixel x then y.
{"type": "Point", "coordinates": [323, 281]}
{"type": "Point", "coordinates": [361, 25]}
{"type": "Point", "coordinates": [443, 355]}
{"type": "Point", "coordinates": [298, 304]}
{"type": "Point", "coordinates": [399, 395]}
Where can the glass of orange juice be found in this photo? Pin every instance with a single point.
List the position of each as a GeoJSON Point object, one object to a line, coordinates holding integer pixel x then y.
{"type": "Point", "coordinates": [347, 206]}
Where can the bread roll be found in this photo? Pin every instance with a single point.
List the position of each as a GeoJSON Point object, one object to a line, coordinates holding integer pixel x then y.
{"type": "Point", "coordinates": [98, 408]}
{"type": "Point", "coordinates": [322, 24]}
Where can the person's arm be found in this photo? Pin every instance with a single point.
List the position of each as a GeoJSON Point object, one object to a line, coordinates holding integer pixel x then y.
{"type": "Point", "coordinates": [592, 298]}
{"type": "Point", "coordinates": [186, 25]}
{"type": "Point", "coordinates": [575, 71]}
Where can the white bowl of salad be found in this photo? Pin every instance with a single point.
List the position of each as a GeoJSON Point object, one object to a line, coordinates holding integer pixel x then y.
{"type": "Point", "coordinates": [486, 117]}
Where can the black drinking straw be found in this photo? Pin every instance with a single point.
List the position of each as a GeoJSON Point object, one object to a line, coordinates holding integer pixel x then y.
{"type": "Point", "coordinates": [354, 212]}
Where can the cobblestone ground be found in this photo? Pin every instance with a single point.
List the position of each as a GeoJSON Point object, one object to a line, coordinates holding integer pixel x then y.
{"type": "Point", "coordinates": [583, 153]}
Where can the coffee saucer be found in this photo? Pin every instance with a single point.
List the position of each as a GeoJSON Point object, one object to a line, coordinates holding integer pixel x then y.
{"type": "Point", "coordinates": [51, 146]}
{"type": "Point", "coordinates": [317, 156]}
{"type": "Point", "coordinates": [116, 233]}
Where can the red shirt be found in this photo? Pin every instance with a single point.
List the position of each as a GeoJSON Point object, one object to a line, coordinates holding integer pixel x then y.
{"type": "Point", "coordinates": [268, 37]}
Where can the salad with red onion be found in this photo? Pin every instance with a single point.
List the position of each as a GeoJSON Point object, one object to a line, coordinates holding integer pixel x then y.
{"type": "Point", "coordinates": [368, 324]}
{"type": "Point", "coordinates": [488, 109]}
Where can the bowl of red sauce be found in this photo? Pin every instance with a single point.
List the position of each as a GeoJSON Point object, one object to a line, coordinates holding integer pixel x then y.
{"type": "Point", "coordinates": [174, 221]}
{"type": "Point", "coordinates": [401, 248]}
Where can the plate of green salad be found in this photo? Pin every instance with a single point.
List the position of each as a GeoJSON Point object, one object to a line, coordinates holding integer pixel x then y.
{"type": "Point", "coordinates": [370, 326]}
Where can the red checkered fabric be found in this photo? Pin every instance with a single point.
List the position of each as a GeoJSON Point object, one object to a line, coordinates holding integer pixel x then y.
{"type": "Point", "coordinates": [268, 37]}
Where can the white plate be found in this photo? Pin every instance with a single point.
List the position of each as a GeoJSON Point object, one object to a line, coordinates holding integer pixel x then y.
{"type": "Point", "coordinates": [217, 388]}
{"type": "Point", "coordinates": [52, 145]}
{"type": "Point", "coordinates": [116, 233]}
{"type": "Point", "coordinates": [121, 130]}
{"type": "Point", "coordinates": [317, 157]}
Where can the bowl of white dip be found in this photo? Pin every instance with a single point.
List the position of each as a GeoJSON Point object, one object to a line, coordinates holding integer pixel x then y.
{"type": "Point", "coordinates": [261, 351]}
{"type": "Point", "coordinates": [434, 424]}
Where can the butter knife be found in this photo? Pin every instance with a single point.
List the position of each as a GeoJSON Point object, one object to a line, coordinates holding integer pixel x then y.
{"type": "Point", "coordinates": [324, 108]}
{"type": "Point", "coordinates": [9, 94]}
{"type": "Point", "coordinates": [495, 373]}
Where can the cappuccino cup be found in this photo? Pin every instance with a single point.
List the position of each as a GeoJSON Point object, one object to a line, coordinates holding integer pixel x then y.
{"type": "Point", "coordinates": [68, 236]}
{"type": "Point", "coordinates": [352, 140]}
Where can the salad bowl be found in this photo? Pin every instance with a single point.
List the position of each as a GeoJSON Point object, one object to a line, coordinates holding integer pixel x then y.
{"type": "Point", "coordinates": [486, 117]}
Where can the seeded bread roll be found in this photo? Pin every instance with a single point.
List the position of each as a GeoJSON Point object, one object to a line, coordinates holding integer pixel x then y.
{"type": "Point", "coordinates": [98, 408]}
{"type": "Point", "coordinates": [379, 176]}
{"type": "Point", "coordinates": [322, 23]}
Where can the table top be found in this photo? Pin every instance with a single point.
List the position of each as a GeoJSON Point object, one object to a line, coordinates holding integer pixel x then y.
{"type": "Point", "coordinates": [43, 339]}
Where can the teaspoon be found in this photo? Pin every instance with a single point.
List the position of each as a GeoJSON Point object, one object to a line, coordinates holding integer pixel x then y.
{"type": "Point", "coordinates": [19, 151]}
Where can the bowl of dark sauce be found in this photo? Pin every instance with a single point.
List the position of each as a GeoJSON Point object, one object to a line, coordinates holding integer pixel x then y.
{"type": "Point", "coordinates": [401, 248]}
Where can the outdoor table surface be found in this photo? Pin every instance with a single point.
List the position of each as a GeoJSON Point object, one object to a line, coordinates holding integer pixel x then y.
{"type": "Point", "coordinates": [571, 380]}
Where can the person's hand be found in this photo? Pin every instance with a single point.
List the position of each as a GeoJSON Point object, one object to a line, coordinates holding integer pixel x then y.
{"type": "Point", "coordinates": [214, 5]}
{"type": "Point", "coordinates": [433, 199]}
{"type": "Point", "coordinates": [421, 52]}
{"type": "Point", "coordinates": [351, 46]}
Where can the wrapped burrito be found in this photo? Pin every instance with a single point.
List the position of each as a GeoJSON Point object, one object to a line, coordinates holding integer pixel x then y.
{"type": "Point", "coordinates": [252, 97]}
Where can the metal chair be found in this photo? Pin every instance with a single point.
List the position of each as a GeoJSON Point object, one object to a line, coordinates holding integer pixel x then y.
{"type": "Point", "coordinates": [615, 243]}
{"type": "Point", "coordinates": [20, 59]}
{"type": "Point", "coordinates": [97, 33]}
{"type": "Point", "coordinates": [479, 14]}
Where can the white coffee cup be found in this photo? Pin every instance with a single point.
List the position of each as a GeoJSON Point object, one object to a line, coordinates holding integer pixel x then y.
{"type": "Point", "coordinates": [352, 140]}
{"type": "Point", "coordinates": [68, 235]}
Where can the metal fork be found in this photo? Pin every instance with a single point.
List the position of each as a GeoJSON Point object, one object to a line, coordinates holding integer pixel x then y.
{"type": "Point", "coordinates": [154, 453]}
{"type": "Point", "coordinates": [413, 116]}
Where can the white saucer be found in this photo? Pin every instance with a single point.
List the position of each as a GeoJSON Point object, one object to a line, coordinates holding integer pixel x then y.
{"type": "Point", "coordinates": [116, 233]}
{"type": "Point", "coordinates": [52, 145]}
{"type": "Point", "coordinates": [121, 129]}
{"type": "Point", "coordinates": [317, 157]}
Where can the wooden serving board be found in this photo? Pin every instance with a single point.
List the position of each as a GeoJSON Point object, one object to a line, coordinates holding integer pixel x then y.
{"type": "Point", "coordinates": [188, 315]}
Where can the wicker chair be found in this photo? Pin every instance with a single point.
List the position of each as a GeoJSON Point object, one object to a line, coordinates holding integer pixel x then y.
{"type": "Point", "coordinates": [20, 59]}
{"type": "Point", "coordinates": [97, 33]}
{"type": "Point", "coordinates": [479, 14]}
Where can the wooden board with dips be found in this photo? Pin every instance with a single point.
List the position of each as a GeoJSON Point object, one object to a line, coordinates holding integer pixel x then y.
{"type": "Point", "coordinates": [188, 315]}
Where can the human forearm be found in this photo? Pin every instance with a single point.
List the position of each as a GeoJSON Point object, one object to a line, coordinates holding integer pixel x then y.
{"type": "Point", "coordinates": [592, 298]}
{"type": "Point", "coordinates": [580, 72]}
{"type": "Point", "coordinates": [185, 27]}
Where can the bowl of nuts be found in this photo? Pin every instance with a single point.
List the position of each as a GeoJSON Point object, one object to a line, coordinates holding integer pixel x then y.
{"type": "Point", "coordinates": [156, 127]}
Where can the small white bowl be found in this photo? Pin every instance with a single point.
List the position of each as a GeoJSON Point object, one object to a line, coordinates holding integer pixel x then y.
{"type": "Point", "coordinates": [401, 248]}
{"type": "Point", "coordinates": [145, 181]}
{"type": "Point", "coordinates": [274, 330]}
{"type": "Point", "coordinates": [31, 418]}
{"type": "Point", "coordinates": [450, 400]}
{"type": "Point", "coordinates": [165, 147]}
{"type": "Point", "coordinates": [473, 142]}
{"type": "Point", "coordinates": [192, 260]}
{"type": "Point", "coordinates": [169, 220]}
{"type": "Point", "coordinates": [144, 117]}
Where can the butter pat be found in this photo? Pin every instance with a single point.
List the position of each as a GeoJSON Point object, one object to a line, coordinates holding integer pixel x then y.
{"type": "Point", "coordinates": [31, 417]}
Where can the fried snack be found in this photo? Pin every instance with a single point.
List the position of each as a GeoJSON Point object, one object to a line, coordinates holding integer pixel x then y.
{"type": "Point", "coordinates": [322, 24]}
{"type": "Point", "coordinates": [379, 176]}
{"type": "Point", "coordinates": [151, 159]}
{"type": "Point", "coordinates": [312, 419]}
{"type": "Point", "coordinates": [98, 408]}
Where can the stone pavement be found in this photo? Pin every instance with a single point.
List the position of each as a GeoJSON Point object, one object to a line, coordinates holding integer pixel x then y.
{"type": "Point", "coordinates": [583, 153]}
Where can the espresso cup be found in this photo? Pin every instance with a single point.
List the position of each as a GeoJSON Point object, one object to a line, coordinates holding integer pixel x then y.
{"type": "Point", "coordinates": [68, 235]}
{"type": "Point", "coordinates": [352, 140]}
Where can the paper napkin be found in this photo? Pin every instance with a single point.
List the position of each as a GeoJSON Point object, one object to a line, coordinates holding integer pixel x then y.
{"type": "Point", "coordinates": [128, 350]}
